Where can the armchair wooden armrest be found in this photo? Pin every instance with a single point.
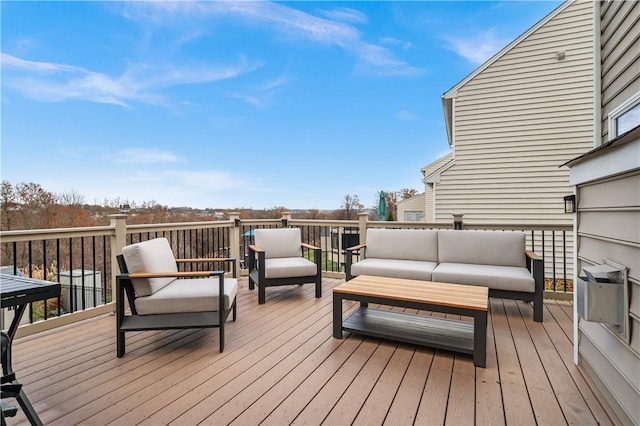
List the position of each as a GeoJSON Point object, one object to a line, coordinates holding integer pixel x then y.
{"type": "Point", "coordinates": [255, 248]}
{"type": "Point", "coordinates": [207, 260]}
{"type": "Point", "coordinates": [188, 274]}
{"type": "Point", "coordinates": [310, 247]}
{"type": "Point", "coordinates": [358, 247]}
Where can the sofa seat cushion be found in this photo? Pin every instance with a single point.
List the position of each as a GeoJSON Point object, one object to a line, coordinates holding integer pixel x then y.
{"type": "Point", "coordinates": [289, 267]}
{"type": "Point", "coordinates": [495, 277]}
{"type": "Point", "coordinates": [394, 268]}
{"type": "Point", "coordinates": [188, 295]}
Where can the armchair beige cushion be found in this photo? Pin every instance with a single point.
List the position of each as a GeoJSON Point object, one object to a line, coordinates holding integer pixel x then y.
{"type": "Point", "coordinates": [170, 295]}
{"type": "Point", "coordinates": [279, 243]}
{"type": "Point", "coordinates": [150, 256]}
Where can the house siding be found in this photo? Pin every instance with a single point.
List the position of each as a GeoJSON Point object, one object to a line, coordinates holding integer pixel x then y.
{"type": "Point", "coordinates": [608, 219]}
{"type": "Point", "coordinates": [430, 189]}
{"type": "Point", "coordinates": [517, 120]}
{"type": "Point", "coordinates": [413, 204]}
{"type": "Point", "coordinates": [620, 62]}
{"type": "Point", "coordinates": [608, 226]}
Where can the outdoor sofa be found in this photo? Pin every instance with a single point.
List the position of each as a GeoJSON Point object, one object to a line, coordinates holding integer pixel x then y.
{"type": "Point", "coordinates": [495, 259]}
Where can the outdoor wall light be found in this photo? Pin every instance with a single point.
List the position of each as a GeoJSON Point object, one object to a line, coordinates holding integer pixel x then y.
{"type": "Point", "coordinates": [570, 204]}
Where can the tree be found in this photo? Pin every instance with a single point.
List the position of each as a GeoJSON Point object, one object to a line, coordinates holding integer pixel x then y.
{"type": "Point", "coordinates": [406, 193]}
{"type": "Point", "coordinates": [350, 207]}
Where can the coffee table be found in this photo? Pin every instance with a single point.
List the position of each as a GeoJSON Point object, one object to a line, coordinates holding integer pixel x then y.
{"type": "Point", "coordinates": [441, 333]}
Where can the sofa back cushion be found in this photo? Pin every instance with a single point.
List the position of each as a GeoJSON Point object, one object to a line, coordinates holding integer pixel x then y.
{"type": "Point", "coordinates": [406, 244]}
{"type": "Point", "coordinates": [278, 243]}
{"type": "Point", "coordinates": [500, 248]}
{"type": "Point", "coordinates": [150, 256]}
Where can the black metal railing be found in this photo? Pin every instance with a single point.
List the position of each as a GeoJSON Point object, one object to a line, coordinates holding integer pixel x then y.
{"type": "Point", "coordinates": [80, 258]}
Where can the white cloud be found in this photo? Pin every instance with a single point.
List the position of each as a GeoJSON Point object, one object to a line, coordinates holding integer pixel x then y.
{"type": "Point", "coordinates": [251, 100]}
{"type": "Point", "coordinates": [345, 14]}
{"type": "Point", "coordinates": [372, 59]}
{"type": "Point", "coordinates": [477, 48]}
{"type": "Point", "coordinates": [143, 156]}
{"type": "Point", "coordinates": [406, 115]}
{"type": "Point", "coordinates": [51, 82]}
{"type": "Point", "coordinates": [406, 45]}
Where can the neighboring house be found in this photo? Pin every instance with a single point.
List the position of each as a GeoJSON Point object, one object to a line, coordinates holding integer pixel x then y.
{"type": "Point", "coordinates": [607, 222]}
{"type": "Point", "coordinates": [411, 209]}
{"type": "Point", "coordinates": [513, 120]}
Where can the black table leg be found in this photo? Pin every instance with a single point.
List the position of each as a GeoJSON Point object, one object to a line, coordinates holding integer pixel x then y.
{"type": "Point", "coordinates": [337, 315]}
{"type": "Point", "coordinates": [8, 376]}
{"type": "Point", "coordinates": [480, 339]}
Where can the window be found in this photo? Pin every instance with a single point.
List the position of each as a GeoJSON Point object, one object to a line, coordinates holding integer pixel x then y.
{"type": "Point", "coordinates": [412, 216]}
{"type": "Point", "coordinates": [625, 117]}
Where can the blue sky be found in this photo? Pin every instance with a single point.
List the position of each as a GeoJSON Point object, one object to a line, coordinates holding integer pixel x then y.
{"type": "Point", "coordinates": [241, 104]}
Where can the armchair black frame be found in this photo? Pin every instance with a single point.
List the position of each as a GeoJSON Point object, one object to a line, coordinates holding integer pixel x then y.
{"type": "Point", "coordinates": [184, 320]}
{"type": "Point", "coordinates": [257, 272]}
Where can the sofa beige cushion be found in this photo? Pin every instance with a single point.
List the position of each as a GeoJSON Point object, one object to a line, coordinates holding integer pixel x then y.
{"type": "Point", "coordinates": [281, 242]}
{"type": "Point", "coordinates": [482, 247]}
{"type": "Point", "coordinates": [150, 256]}
{"type": "Point", "coordinates": [394, 268]}
{"type": "Point", "coordinates": [404, 244]}
{"type": "Point", "coordinates": [188, 295]}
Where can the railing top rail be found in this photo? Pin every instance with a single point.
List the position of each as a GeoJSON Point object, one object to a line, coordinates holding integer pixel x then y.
{"type": "Point", "coordinates": [315, 222]}
{"type": "Point", "coordinates": [412, 225]}
{"type": "Point", "coordinates": [519, 226]}
{"type": "Point", "coordinates": [52, 234]}
{"type": "Point", "coordinates": [258, 222]}
{"type": "Point", "coordinates": [158, 227]}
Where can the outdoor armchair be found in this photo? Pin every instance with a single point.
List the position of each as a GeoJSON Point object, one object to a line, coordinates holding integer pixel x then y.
{"type": "Point", "coordinates": [160, 297]}
{"type": "Point", "coordinates": [276, 259]}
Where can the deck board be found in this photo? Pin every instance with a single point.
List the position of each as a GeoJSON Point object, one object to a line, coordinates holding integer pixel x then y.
{"type": "Point", "coordinates": [281, 365]}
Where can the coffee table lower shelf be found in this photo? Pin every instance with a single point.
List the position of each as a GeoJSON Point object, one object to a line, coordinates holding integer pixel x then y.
{"type": "Point", "coordinates": [439, 333]}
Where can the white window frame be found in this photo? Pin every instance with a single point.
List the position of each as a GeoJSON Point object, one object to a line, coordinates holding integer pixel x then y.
{"type": "Point", "coordinates": [413, 215]}
{"type": "Point", "coordinates": [619, 111]}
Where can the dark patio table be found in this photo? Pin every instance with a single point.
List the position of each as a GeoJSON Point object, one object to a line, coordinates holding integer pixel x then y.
{"type": "Point", "coordinates": [18, 292]}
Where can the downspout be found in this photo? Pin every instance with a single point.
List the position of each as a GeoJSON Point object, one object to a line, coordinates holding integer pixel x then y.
{"type": "Point", "coordinates": [597, 79]}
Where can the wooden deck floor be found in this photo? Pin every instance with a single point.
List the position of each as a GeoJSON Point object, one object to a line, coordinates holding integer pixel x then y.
{"type": "Point", "coordinates": [281, 365]}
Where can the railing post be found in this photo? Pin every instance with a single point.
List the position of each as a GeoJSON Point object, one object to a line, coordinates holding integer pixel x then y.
{"type": "Point", "coordinates": [457, 221]}
{"type": "Point", "coordinates": [286, 217]}
{"type": "Point", "coordinates": [118, 241]}
{"type": "Point", "coordinates": [362, 227]}
{"type": "Point", "coordinates": [234, 243]}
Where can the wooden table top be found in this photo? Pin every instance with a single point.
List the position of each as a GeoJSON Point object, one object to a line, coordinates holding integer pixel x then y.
{"type": "Point", "coordinates": [435, 293]}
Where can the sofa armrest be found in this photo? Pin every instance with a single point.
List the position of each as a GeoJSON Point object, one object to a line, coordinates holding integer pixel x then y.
{"type": "Point", "coordinates": [535, 265]}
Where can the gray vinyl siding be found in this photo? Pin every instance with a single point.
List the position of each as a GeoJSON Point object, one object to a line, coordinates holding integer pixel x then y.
{"type": "Point", "coordinates": [609, 227]}
{"type": "Point", "coordinates": [517, 120]}
{"type": "Point", "coordinates": [620, 57]}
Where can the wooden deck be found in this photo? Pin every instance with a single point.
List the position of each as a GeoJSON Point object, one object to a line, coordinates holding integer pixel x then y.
{"type": "Point", "coordinates": [281, 365]}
